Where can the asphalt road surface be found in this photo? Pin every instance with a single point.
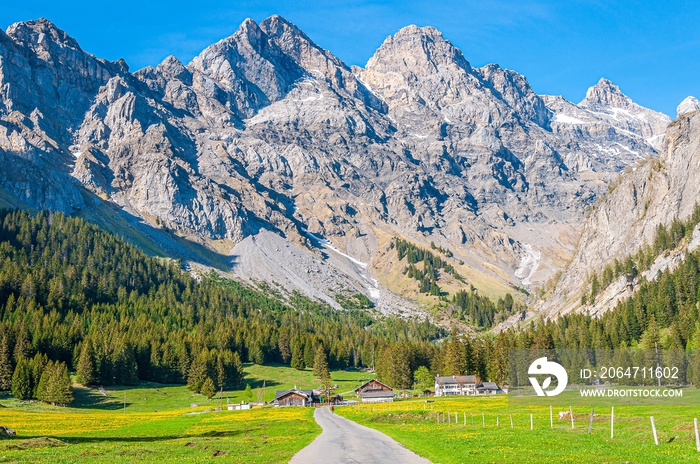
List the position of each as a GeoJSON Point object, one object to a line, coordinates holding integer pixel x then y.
{"type": "Point", "coordinates": [344, 441]}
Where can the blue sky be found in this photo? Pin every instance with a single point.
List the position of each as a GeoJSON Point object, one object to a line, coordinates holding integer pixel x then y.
{"type": "Point", "coordinates": [650, 49]}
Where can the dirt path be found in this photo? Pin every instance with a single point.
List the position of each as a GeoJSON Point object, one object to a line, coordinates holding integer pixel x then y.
{"type": "Point", "coordinates": [344, 441]}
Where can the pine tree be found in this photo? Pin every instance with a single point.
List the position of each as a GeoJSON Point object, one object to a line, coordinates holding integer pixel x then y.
{"type": "Point", "coordinates": [5, 364]}
{"type": "Point", "coordinates": [124, 368]}
{"type": "Point", "coordinates": [400, 357]}
{"type": "Point", "coordinates": [85, 370]}
{"type": "Point", "coordinates": [198, 373]}
{"type": "Point", "coordinates": [309, 353]}
{"type": "Point", "coordinates": [221, 371]}
{"type": "Point", "coordinates": [208, 388]}
{"type": "Point", "coordinates": [651, 336]}
{"type": "Point", "coordinates": [22, 344]}
{"type": "Point", "coordinates": [248, 393]}
{"type": "Point", "coordinates": [55, 385]}
{"type": "Point", "coordinates": [297, 361]}
{"type": "Point", "coordinates": [37, 364]}
{"type": "Point", "coordinates": [234, 371]}
{"type": "Point", "coordinates": [60, 386]}
{"type": "Point", "coordinates": [283, 346]}
{"type": "Point", "coordinates": [455, 357]}
{"type": "Point", "coordinates": [22, 380]}
{"type": "Point", "coordinates": [42, 389]}
{"type": "Point", "coordinates": [321, 364]}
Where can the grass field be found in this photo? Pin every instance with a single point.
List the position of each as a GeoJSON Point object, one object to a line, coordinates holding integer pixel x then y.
{"type": "Point", "coordinates": [161, 424]}
{"type": "Point", "coordinates": [413, 423]}
{"type": "Point", "coordinates": [77, 435]}
{"type": "Point", "coordinates": [284, 378]}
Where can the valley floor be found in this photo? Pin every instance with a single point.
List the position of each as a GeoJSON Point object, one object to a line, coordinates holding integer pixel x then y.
{"type": "Point", "coordinates": [413, 423]}
{"type": "Point", "coordinates": [61, 435]}
{"type": "Point", "coordinates": [167, 423]}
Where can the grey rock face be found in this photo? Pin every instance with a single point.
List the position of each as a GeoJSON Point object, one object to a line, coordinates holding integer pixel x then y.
{"type": "Point", "coordinates": [688, 105]}
{"type": "Point", "coordinates": [607, 130]}
{"type": "Point", "coordinates": [267, 131]}
{"type": "Point", "coordinates": [656, 193]}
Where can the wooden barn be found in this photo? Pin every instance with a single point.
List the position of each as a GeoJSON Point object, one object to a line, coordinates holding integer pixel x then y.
{"type": "Point", "coordinates": [375, 392]}
{"type": "Point", "coordinates": [295, 397]}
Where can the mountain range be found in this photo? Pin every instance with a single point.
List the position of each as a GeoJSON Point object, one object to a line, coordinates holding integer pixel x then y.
{"type": "Point", "coordinates": [269, 159]}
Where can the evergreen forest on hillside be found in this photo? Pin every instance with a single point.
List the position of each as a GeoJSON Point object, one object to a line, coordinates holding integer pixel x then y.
{"type": "Point", "coordinates": [77, 299]}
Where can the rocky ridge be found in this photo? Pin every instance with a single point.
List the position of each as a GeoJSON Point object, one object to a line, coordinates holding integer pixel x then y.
{"type": "Point", "coordinates": [265, 134]}
{"type": "Point", "coordinates": [655, 193]}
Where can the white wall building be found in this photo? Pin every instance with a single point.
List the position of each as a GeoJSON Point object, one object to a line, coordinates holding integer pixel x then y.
{"type": "Point", "coordinates": [455, 385]}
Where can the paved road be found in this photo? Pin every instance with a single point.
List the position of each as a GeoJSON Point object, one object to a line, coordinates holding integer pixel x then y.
{"type": "Point", "coordinates": [344, 441]}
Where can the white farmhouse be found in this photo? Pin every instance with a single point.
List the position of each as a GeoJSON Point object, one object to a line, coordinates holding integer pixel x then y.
{"type": "Point", "coordinates": [455, 385]}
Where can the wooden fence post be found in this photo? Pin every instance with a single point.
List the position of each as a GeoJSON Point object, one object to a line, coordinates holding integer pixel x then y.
{"type": "Point", "coordinates": [653, 429]}
{"type": "Point", "coordinates": [448, 416]}
{"type": "Point", "coordinates": [511, 421]}
{"type": "Point", "coordinates": [571, 413]}
{"type": "Point", "coordinates": [551, 420]}
{"type": "Point", "coordinates": [483, 420]}
{"type": "Point", "coordinates": [590, 423]}
{"type": "Point", "coordinates": [456, 419]}
{"type": "Point", "coordinates": [498, 421]}
{"type": "Point", "coordinates": [697, 436]}
{"type": "Point", "coordinates": [532, 422]}
{"type": "Point", "coordinates": [612, 422]}
{"type": "Point", "coordinates": [465, 418]}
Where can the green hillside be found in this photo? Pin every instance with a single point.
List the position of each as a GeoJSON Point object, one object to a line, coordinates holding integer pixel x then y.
{"type": "Point", "coordinates": [73, 295]}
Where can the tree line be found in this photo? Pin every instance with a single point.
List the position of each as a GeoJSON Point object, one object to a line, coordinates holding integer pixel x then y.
{"type": "Point", "coordinates": [92, 303]}
{"type": "Point", "coordinates": [76, 299]}
{"type": "Point", "coordinates": [427, 274]}
{"type": "Point", "coordinates": [666, 237]}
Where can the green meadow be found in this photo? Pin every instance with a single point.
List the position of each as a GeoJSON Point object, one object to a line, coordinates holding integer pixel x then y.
{"type": "Point", "coordinates": [414, 423]}
{"type": "Point", "coordinates": [167, 423]}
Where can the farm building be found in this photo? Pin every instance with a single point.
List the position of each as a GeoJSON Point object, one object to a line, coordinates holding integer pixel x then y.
{"type": "Point", "coordinates": [489, 388]}
{"type": "Point", "coordinates": [295, 397]}
{"type": "Point", "coordinates": [375, 392]}
{"type": "Point", "coordinates": [239, 407]}
{"type": "Point", "coordinates": [456, 385]}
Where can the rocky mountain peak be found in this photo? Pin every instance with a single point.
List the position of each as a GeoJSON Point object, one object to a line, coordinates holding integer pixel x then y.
{"type": "Point", "coordinates": [514, 89]}
{"type": "Point", "coordinates": [688, 105]}
{"type": "Point", "coordinates": [248, 68]}
{"type": "Point", "coordinates": [277, 26]}
{"type": "Point", "coordinates": [605, 93]}
{"type": "Point", "coordinates": [412, 30]}
{"type": "Point", "coordinates": [173, 68]}
{"type": "Point", "coordinates": [418, 68]}
{"type": "Point", "coordinates": [420, 49]}
{"type": "Point", "coordinates": [40, 34]}
{"type": "Point", "coordinates": [316, 61]}
{"type": "Point", "coordinates": [267, 131]}
{"type": "Point", "coordinates": [295, 43]}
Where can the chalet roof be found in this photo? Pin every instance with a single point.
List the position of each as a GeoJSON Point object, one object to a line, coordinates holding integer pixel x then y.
{"type": "Point", "coordinates": [488, 386]}
{"type": "Point", "coordinates": [305, 393]}
{"type": "Point", "coordinates": [455, 379]}
{"type": "Point", "coordinates": [371, 381]}
{"type": "Point", "coordinates": [376, 394]}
